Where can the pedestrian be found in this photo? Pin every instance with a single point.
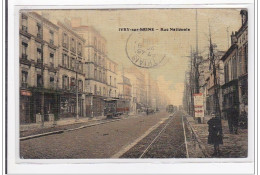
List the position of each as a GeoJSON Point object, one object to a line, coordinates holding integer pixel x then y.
{"type": "Point", "coordinates": [147, 111]}
{"type": "Point", "coordinates": [215, 136]}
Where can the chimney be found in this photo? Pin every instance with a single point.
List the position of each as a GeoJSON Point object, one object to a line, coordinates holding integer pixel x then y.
{"type": "Point", "coordinates": [76, 22]}
{"type": "Point", "coordinates": [244, 16]}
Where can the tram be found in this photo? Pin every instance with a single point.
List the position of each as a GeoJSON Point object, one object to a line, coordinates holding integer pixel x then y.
{"type": "Point", "coordinates": [171, 108]}
{"type": "Point", "coordinates": [115, 107]}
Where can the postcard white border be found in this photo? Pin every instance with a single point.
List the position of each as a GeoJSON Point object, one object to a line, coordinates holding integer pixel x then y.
{"type": "Point", "coordinates": [79, 166]}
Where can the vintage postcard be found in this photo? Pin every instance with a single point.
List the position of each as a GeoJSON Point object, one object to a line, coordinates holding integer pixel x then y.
{"type": "Point", "coordinates": [133, 83]}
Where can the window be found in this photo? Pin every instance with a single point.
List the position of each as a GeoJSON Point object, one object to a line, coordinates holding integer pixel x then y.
{"type": "Point", "coordinates": [39, 30]}
{"type": "Point", "coordinates": [52, 82]}
{"type": "Point", "coordinates": [39, 80]}
{"type": "Point", "coordinates": [100, 76]}
{"type": "Point", "coordinates": [95, 73]}
{"type": "Point", "coordinates": [115, 82]}
{"type": "Point", "coordinates": [99, 61]}
{"type": "Point", "coordinates": [24, 50]}
{"type": "Point", "coordinates": [79, 49]}
{"type": "Point", "coordinates": [104, 77]}
{"type": "Point", "coordinates": [115, 93]}
{"type": "Point", "coordinates": [104, 91]}
{"type": "Point", "coordinates": [39, 55]}
{"type": "Point", "coordinates": [80, 85]}
{"type": "Point", "coordinates": [72, 83]}
{"type": "Point", "coordinates": [72, 63]}
{"type": "Point", "coordinates": [65, 40]}
{"type": "Point", "coordinates": [51, 37]}
{"type": "Point", "coordinates": [72, 45]}
{"type": "Point", "coordinates": [65, 82]}
{"type": "Point", "coordinates": [24, 23]}
{"type": "Point", "coordinates": [24, 79]}
{"type": "Point", "coordinates": [95, 89]}
{"type": "Point", "coordinates": [95, 58]}
{"type": "Point", "coordinates": [110, 80]}
{"type": "Point", "coordinates": [52, 59]}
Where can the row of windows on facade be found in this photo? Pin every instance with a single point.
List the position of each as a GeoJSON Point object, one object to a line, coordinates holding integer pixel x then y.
{"type": "Point", "coordinates": [98, 45]}
{"type": "Point", "coordinates": [72, 44]}
{"type": "Point", "coordinates": [39, 29]}
{"type": "Point", "coordinates": [70, 83]}
{"type": "Point", "coordinates": [98, 91]}
{"type": "Point", "coordinates": [38, 55]}
{"type": "Point", "coordinates": [233, 65]}
{"type": "Point", "coordinates": [51, 35]}
{"type": "Point", "coordinates": [71, 63]}
{"type": "Point", "coordinates": [38, 80]}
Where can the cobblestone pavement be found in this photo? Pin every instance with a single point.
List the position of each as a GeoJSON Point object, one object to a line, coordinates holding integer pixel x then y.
{"type": "Point", "coordinates": [169, 143]}
{"type": "Point", "coordinates": [100, 141]}
{"type": "Point", "coordinates": [234, 146]}
{"type": "Point", "coordinates": [70, 124]}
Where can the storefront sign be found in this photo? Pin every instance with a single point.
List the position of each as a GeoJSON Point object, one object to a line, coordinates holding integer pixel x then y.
{"type": "Point", "coordinates": [26, 93]}
{"type": "Point", "coordinates": [198, 105]}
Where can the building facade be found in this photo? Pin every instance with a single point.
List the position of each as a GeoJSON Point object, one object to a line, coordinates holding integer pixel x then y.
{"type": "Point", "coordinates": [112, 78]}
{"type": "Point", "coordinates": [70, 71]}
{"type": "Point", "coordinates": [38, 55]}
{"type": "Point", "coordinates": [95, 68]}
{"type": "Point", "coordinates": [235, 60]}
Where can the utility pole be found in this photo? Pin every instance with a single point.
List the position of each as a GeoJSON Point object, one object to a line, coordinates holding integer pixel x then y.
{"type": "Point", "coordinates": [191, 83]}
{"type": "Point", "coordinates": [214, 70]}
{"type": "Point", "coordinates": [196, 64]}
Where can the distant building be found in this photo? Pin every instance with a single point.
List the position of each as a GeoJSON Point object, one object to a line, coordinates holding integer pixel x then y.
{"type": "Point", "coordinates": [139, 86]}
{"type": "Point", "coordinates": [124, 91]}
{"type": "Point", "coordinates": [112, 78]}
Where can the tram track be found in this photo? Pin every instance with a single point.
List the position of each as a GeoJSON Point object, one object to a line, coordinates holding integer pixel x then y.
{"type": "Point", "coordinates": [167, 141]}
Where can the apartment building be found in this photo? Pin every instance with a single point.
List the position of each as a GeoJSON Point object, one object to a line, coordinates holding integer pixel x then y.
{"type": "Point", "coordinates": [38, 55]}
{"type": "Point", "coordinates": [95, 67]}
{"type": "Point", "coordinates": [70, 71]}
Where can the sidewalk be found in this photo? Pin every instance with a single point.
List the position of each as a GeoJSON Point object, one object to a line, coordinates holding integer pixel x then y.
{"type": "Point", "coordinates": [234, 146]}
{"type": "Point", "coordinates": [62, 124]}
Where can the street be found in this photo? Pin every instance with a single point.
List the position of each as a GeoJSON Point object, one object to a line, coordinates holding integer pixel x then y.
{"type": "Point", "coordinates": [100, 141]}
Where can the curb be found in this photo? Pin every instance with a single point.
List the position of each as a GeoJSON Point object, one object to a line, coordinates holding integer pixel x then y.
{"type": "Point", "coordinates": [65, 130]}
{"type": "Point", "coordinates": [202, 147]}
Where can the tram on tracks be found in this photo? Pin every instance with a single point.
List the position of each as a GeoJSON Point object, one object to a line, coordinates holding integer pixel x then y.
{"type": "Point", "coordinates": [115, 107]}
{"type": "Point", "coordinates": [171, 108]}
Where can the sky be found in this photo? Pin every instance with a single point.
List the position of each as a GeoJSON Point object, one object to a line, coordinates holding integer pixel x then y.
{"type": "Point", "coordinates": [176, 45]}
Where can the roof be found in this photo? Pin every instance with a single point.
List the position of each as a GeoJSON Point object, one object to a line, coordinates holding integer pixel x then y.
{"type": "Point", "coordinates": [43, 19]}
{"type": "Point", "coordinates": [229, 51]}
{"type": "Point", "coordinates": [70, 30]}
